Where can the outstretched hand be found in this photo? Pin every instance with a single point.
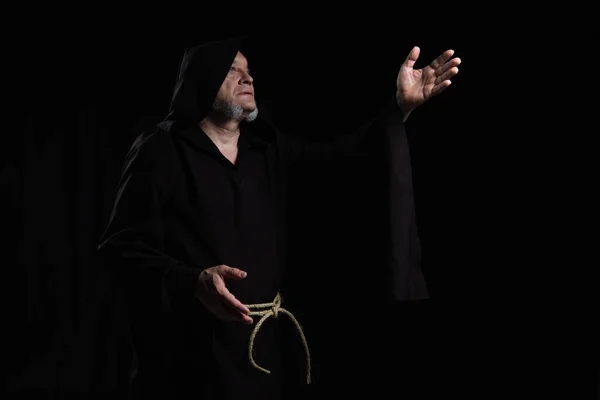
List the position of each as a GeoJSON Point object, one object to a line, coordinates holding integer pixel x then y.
{"type": "Point", "coordinates": [416, 86]}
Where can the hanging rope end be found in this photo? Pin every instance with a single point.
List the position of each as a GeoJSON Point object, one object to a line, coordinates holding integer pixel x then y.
{"type": "Point", "coordinates": [258, 367]}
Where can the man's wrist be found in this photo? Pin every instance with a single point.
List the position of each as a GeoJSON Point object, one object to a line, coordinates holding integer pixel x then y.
{"type": "Point", "coordinates": [404, 109]}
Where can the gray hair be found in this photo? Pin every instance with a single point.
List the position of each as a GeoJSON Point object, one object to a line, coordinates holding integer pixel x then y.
{"type": "Point", "coordinates": [234, 111]}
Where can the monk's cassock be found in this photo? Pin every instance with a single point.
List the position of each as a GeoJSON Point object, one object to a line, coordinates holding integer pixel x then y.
{"type": "Point", "coordinates": [181, 207]}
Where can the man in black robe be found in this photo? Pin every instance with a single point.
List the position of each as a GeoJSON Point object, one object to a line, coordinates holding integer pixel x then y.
{"type": "Point", "coordinates": [198, 236]}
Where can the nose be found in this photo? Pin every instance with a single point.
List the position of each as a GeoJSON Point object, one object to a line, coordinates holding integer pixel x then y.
{"type": "Point", "coordinates": [246, 79]}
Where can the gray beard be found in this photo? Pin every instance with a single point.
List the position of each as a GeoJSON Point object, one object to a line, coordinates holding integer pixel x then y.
{"type": "Point", "coordinates": [234, 111]}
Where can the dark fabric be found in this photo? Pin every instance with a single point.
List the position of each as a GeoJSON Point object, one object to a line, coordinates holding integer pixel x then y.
{"type": "Point", "coordinates": [165, 230]}
{"type": "Point", "coordinates": [181, 207]}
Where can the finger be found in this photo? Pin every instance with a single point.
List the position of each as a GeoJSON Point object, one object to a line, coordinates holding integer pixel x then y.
{"type": "Point", "coordinates": [437, 89]}
{"type": "Point", "coordinates": [233, 313]}
{"type": "Point", "coordinates": [247, 319]}
{"type": "Point", "coordinates": [216, 306]}
{"type": "Point", "coordinates": [231, 272]}
{"type": "Point", "coordinates": [412, 57]}
{"type": "Point", "coordinates": [446, 76]}
{"type": "Point", "coordinates": [225, 313]}
{"type": "Point", "coordinates": [230, 314]}
{"type": "Point", "coordinates": [455, 62]}
{"type": "Point", "coordinates": [220, 312]}
{"type": "Point", "coordinates": [229, 297]}
{"type": "Point", "coordinates": [234, 303]}
{"type": "Point", "coordinates": [442, 58]}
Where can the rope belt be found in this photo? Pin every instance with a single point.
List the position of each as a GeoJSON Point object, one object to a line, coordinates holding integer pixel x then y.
{"type": "Point", "coordinates": [266, 310]}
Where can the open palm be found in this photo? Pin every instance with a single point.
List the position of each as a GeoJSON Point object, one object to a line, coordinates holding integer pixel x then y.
{"type": "Point", "coordinates": [416, 86]}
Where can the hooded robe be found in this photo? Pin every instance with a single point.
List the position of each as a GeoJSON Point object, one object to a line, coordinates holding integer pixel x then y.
{"type": "Point", "coordinates": [182, 207]}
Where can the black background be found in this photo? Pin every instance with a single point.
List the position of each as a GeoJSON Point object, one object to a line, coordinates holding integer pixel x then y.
{"type": "Point", "coordinates": [85, 90]}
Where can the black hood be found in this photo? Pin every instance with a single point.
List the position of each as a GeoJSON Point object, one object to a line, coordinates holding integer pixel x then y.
{"type": "Point", "coordinates": [202, 70]}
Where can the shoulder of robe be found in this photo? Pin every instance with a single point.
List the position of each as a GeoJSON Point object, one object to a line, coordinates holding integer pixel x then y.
{"type": "Point", "coordinates": [153, 154]}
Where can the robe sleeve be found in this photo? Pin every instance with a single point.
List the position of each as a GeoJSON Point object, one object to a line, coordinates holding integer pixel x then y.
{"type": "Point", "coordinates": [383, 139]}
{"type": "Point", "coordinates": [404, 272]}
{"type": "Point", "coordinates": [346, 143]}
{"type": "Point", "coordinates": [132, 246]}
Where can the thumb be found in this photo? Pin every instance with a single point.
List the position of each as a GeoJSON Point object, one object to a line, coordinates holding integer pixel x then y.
{"type": "Point", "coordinates": [412, 57]}
{"type": "Point", "coordinates": [231, 272]}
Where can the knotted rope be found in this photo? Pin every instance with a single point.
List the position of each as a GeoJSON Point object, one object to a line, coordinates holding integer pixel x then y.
{"type": "Point", "coordinates": [266, 310]}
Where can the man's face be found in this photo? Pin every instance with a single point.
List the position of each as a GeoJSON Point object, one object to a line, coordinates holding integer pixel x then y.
{"type": "Point", "coordinates": [237, 89]}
